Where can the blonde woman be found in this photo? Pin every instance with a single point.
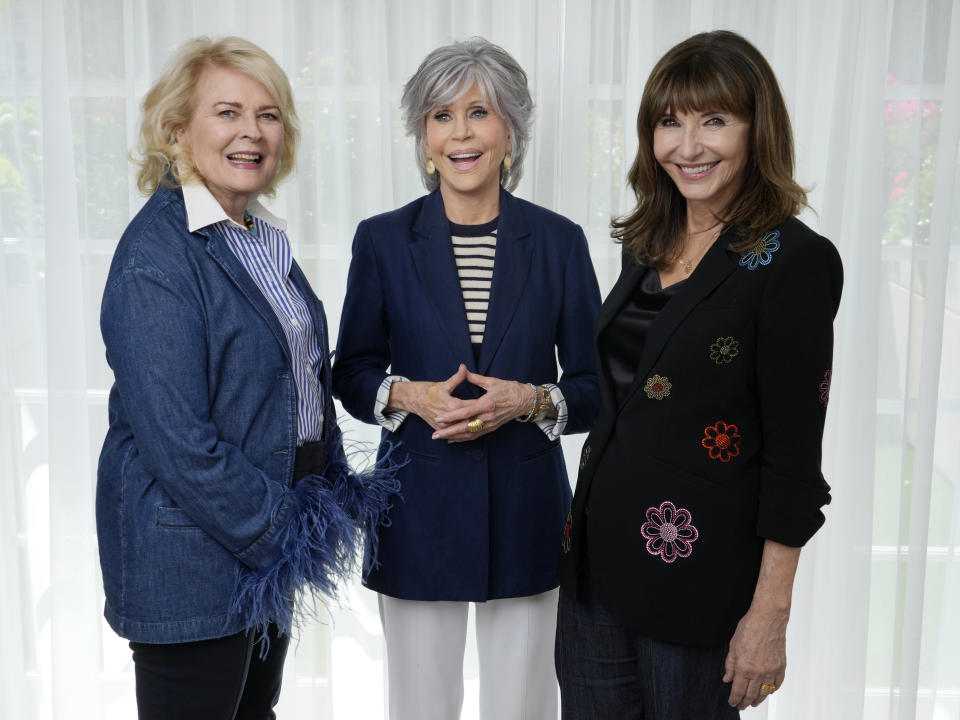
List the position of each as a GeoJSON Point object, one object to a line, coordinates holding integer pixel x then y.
{"type": "Point", "coordinates": [223, 493]}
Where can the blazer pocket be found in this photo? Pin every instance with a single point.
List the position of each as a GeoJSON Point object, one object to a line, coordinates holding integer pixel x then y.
{"type": "Point", "coordinates": [174, 518]}
{"type": "Point", "coordinates": [696, 480]}
{"type": "Point", "coordinates": [725, 306]}
{"type": "Point", "coordinates": [554, 444]}
{"type": "Point", "coordinates": [420, 456]}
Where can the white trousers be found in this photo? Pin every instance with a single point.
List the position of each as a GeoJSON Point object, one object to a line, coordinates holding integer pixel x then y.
{"type": "Point", "coordinates": [425, 644]}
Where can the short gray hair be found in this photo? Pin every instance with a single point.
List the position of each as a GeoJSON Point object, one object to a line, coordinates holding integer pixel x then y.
{"type": "Point", "coordinates": [450, 71]}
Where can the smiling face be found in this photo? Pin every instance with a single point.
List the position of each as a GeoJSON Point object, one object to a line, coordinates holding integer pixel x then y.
{"type": "Point", "coordinates": [467, 141]}
{"type": "Point", "coordinates": [705, 154]}
{"type": "Point", "coordinates": [235, 136]}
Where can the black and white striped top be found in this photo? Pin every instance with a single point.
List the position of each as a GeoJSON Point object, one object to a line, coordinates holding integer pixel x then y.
{"type": "Point", "coordinates": [475, 248]}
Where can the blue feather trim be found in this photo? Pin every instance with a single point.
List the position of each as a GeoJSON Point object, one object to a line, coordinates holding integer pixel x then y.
{"type": "Point", "coordinates": [332, 517]}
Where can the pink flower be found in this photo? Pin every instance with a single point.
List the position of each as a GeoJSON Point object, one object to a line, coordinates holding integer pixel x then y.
{"type": "Point", "coordinates": [895, 193]}
{"type": "Point", "coordinates": [824, 387]}
{"type": "Point", "coordinates": [668, 532]}
{"type": "Point", "coordinates": [900, 177]}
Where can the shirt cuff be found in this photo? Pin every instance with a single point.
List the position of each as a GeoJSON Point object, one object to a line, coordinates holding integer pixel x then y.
{"type": "Point", "coordinates": [391, 420]}
{"type": "Point", "coordinates": [553, 427]}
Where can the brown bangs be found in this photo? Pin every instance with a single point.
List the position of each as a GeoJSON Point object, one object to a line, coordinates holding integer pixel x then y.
{"type": "Point", "coordinates": [699, 83]}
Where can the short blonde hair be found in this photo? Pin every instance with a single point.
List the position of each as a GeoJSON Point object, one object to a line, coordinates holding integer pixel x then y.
{"type": "Point", "coordinates": [168, 107]}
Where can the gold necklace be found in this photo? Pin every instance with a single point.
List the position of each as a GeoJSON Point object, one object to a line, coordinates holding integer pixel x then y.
{"type": "Point", "coordinates": [688, 265]}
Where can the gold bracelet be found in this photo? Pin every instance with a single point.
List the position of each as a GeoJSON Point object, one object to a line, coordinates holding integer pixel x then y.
{"type": "Point", "coordinates": [543, 403]}
{"type": "Point", "coordinates": [533, 410]}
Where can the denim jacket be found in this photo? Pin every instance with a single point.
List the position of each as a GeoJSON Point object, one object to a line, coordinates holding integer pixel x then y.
{"type": "Point", "coordinates": [201, 532]}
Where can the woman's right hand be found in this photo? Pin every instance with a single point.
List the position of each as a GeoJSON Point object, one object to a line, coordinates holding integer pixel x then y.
{"type": "Point", "coordinates": [431, 400]}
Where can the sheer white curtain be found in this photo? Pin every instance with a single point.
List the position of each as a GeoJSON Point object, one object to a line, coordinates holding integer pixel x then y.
{"type": "Point", "coordinates": [874, 91]}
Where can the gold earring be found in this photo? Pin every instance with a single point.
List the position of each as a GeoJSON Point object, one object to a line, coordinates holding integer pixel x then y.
{"type": "Point", "coordinates": [507, 161]}
{"type": "Point", "coordinates": [431, 168]}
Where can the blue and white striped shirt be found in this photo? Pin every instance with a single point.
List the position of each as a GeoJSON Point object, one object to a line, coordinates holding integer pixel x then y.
{"type": "Point", "coordinates": [266, 256]}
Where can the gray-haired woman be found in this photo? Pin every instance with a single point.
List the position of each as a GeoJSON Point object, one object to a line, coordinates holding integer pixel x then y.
{"type": "Point", "coordinates": [458, 306]}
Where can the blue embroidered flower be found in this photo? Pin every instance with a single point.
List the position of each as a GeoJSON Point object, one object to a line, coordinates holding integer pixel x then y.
{"type": "Point", "coordinates": [762, 252]}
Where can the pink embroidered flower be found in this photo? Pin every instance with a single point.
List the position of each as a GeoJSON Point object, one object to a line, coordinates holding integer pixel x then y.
{"type": "Point", "coordinates": [722, 441]}
{"type": "Point", "coordinates": [824, 386]}
{"type": "Point", "coordinates": [668, 532]}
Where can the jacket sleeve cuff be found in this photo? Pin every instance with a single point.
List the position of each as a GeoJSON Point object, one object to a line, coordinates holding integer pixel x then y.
{"type": "Point", "coordinates": [553, 427]}
{"type": "Point", "coordinates": [319, 532]}
{"type": "Point", "coordinates": [789, 510]}
{"type": "Point", "coordinates": [390, 420]}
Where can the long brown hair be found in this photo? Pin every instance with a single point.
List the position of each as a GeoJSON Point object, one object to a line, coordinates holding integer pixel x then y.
{"type": "Point", "coordinates": [717, 70]}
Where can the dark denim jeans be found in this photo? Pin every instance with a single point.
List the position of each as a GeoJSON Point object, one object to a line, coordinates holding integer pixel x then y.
{"type": "Point", "coordinates": [607, 672]}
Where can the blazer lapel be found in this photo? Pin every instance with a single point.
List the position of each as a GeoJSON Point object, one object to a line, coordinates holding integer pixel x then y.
{"type": "Point", "coordinates": [713, 269]}
{"type": "Point", "coordinates": [224, 257]}
{"type": "Point", "coordinates": [510, 269]}
{"type": "Point", "coordinates": [433, 258]}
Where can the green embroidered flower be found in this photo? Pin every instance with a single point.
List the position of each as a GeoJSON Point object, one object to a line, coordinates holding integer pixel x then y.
{"type": "Point", "coordinates": [724, 350]}
{"type": "Point", "coordinates": [657, 387]}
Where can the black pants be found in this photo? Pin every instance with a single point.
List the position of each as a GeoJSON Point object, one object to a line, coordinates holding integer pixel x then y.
{"type": "Point", "coordinates": [220, 679]}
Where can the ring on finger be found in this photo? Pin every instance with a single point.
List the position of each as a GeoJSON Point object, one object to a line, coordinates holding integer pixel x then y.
{"type": "Point", "coordinates": [475, 425]}
{"type": "Point", "coordinates": [767, 688]}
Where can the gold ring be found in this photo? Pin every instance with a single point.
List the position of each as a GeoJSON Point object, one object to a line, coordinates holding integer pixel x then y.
{"type": "Point", "coordinates": [475, 425]}
{"type": "Point", "coordinates": [767, 687]}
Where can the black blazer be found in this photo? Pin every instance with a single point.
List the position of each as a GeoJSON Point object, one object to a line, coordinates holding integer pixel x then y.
{"type": "Point", "coordinates": [717, 445]}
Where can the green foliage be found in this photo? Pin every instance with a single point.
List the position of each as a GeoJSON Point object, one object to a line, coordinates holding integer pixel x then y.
{"type": "Point", "coordinates": [20, 168]}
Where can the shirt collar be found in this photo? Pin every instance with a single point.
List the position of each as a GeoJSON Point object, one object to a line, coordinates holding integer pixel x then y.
{"type": "Point", "coordinates": [203, 209]}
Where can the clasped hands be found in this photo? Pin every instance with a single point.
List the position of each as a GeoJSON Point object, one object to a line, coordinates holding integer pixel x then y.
{"type": "Point", "coordinates": [502, 401]}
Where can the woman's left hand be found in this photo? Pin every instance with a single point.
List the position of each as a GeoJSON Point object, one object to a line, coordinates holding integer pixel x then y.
{"type": "Point", "coordinates": [510, 400]}
{"type": "Point", "coordinates": [757, 656]}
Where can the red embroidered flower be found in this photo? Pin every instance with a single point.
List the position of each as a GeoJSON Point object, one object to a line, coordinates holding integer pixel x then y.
{"type": "Point", "coordinates": [722, 441]}
{"type": "Point", "coordinates": [567, 528]}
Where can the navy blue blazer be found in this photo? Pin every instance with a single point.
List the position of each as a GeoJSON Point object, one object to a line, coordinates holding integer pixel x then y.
{"type": "Point", "coordinates": [481, 519]}
{"type": "Point", "coordinates": [718, 444]}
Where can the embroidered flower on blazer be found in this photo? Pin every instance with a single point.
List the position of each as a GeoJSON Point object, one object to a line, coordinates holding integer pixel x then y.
{"type": "Point", "coordinates": [824, 386]}
{"type": "Point", "coordinates": [567, 529]}
{"type": "Point", "coordinates": [762, 252]}
{"type": "Point", "coordinates": [724, 350]}
{"type": "Point", "coordinates": [669, 532]}
{"type": "Point", "coordinates": [722, 441]}
{"type": "Point", "coordinates": [657, 387]}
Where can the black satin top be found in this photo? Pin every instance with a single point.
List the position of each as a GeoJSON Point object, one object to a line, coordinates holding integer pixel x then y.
{"type": "Point", "coordinates": [622, 342]}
